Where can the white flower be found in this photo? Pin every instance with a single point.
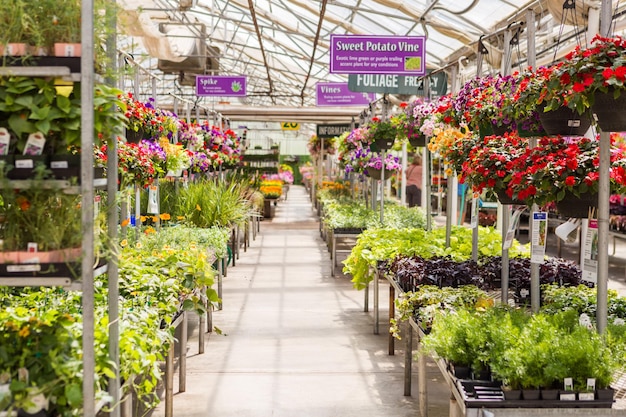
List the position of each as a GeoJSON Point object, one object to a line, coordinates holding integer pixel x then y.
{"type": "Point", "coordinates": [585, 321]}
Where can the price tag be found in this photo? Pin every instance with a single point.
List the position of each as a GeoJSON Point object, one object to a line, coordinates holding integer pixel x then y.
{"type": "Point", "coordinates": [538, 238]}
{"type": "Point", "coordinates": [153, 200]}
{"type": "Point", "coordinates": [474, 218]}
{"type": "Point", "coordinates": [24, 163]}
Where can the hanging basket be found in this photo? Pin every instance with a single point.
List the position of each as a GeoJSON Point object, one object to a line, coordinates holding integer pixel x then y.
{"type": "Point", "coordinates": [610, 112]}
{"type": "Point", "coordinates": [504, 199]}
{"type": "Point", "coordinates": [577, 207]}
{"type": "Point", "coordinates": [134, 137]}
{"type": "Point", "coordinates": [416, 137]}
{"type": "Point", "coordinates": [418, 141]}
{"type": "Point", "coordinates": [564, 121]}
{"type": "Point", "coordinates": [377, 173]}
{"type": "Point", "coordinates": [537, 131]}
{"type": "Point", "coordinates": [382, 144]}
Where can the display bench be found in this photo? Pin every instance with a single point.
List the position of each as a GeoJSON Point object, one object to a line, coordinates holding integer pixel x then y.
{"type": "Point", "coordinates": [472, 398]}
{"type": "Point", "coordinates": [342, 240]}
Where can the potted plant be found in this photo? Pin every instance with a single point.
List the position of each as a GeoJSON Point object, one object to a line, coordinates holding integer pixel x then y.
{"type": "Point", "coordinates": [381, 134]}
{"type": "Point", "coordinates": [489, 164]}
{"type": "Point", "coordinates": [591, 80]}
{"type": "Point", "coordinates": [374, 166]}
{"type": "Point", "coordinates": [12, 38]}
{"type": "Point", "coordinates": [565, 172]}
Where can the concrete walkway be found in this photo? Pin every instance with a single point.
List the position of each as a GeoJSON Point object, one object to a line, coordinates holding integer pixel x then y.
{"type": "Point", "coordinates": [296, 341]}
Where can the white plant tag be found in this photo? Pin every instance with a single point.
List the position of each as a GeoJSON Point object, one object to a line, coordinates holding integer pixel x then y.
{"type": "Point", "coordinates": [5, 139]}
{"type": "Point", "coordinates": [153, 200]}
{"type": "Point", "coordinates": [35, 144]}
{"type": "Point", "coordinates": [24, 163]}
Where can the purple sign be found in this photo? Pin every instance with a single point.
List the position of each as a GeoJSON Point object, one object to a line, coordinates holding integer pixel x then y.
{"type": "Point", "coordinates": [338, 94]}
{"type": "Point", "coordinates": [361, 54]}
{"type": "Point", "coordinates": [221, 85]}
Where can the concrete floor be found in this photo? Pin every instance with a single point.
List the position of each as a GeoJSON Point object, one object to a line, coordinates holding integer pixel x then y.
{"type": "Point", "coordinates": [296, 342]}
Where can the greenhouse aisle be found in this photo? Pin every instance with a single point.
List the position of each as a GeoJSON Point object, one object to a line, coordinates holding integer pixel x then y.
{"type": "Point", "coordinates": [295, 341]}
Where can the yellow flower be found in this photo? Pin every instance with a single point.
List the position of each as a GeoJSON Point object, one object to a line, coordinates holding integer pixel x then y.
{"type": "Point", "coordinates": [24, 332]}
{"type": "Point", "coordinates": [124, 243]}
{"type": "Point", "coordinates": [149, 230]}
{"type": "Point", "coordinates": [143, 219]}
{"type": "Point", "coordinates": [198, 207]}
{"type": "Point", "coordinates": [180, 217]}
{"type": "Point", "coordinates": [155, 219]}
{"type": "Point", "coordinates": [138, 245]}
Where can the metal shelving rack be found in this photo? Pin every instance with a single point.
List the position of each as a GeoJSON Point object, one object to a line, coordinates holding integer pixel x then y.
{"type": "Point", "coordinates": [87, 190]}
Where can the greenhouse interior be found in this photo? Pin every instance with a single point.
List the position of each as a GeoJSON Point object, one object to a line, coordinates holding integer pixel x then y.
{"type": "Point", "coordinates": [322, 208]}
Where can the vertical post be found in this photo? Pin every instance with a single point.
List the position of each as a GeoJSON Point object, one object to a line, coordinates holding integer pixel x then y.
{"type": "Point", "coordinates": [169, 382]}
{"type": "Point", "coordinates": [392, 314]}
{"type": "Point", "coordinates": [603, 199]}
{"type": "Point", "coordinates": [182, 355]}
{"type": "Point", "coordinates": [421, 379]}
{"type": "Point", "coordinates": [376, 302]}
{"type": "Point", "coordinates": [112, 225]}
{"type": "Point", "coordinates": [408, 358]}
{"type": "Point", "coordinates": [87, 140]}
{"type": "Point", "coordinates": [382, 190]}
{"type": "Point", "coordinates": [535, 284]}
{"type": "Point", "coordinates": [402, 189]}
{"type": "Point", "coordinates": [428, 190]}
{"type": "Point", "coordinates": [202, 329]}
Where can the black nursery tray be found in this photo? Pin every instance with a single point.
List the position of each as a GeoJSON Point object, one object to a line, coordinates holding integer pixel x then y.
{"type": "Point", "coordinates": [41, 270]}
{"type": "Point", "coordinates": [73, 63]}
{"type": "Point", "coordinates": [348, 230]}
{"type": "Point", "coordinates": [479, 394]}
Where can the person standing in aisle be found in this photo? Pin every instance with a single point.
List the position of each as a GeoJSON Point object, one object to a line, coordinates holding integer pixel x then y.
{"type": "Point", "coordinates": [414, 181]}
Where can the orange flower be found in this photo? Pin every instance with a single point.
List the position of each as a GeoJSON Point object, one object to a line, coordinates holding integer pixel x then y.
{"type": "Point", "coordinates": [125, 222]}
{"type": "Point", "coordinates": [165, 216]}
{"type": "Point", "coordinates": [23, 203]}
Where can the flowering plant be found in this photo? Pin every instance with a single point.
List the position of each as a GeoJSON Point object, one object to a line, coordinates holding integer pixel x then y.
{"type": "Point", "coordinates": [314, 145]}
{"type": "Point", "coordinates": [376, 162]}
{"type": "Point", "coordinates": [423, 118]}
{"type": "Point", "coordinates": [490, 161]}
{"type": "Point", "coordinates": [480, 101]}
{"type": "Point", "coordinates": [271, 188]}
{"type": "Point", "coordinates": [453, 145]}
{"type": "Point", "coordinates": [140, 162]}
{"type": "Point", "coordinates": [524, 104]}
{"type": "Point", "coordinates": [584, 71]}
{"type": "Point", "coordinates": [285, 173]}
{"type": "Point", "coordinates": [144, 117]}
{"type": "Point", "coordinates": [556, 166]}
{"type": "Point", "coordinates": [177, 158]}
{"type": "Point", "coordinates": [378, 130]}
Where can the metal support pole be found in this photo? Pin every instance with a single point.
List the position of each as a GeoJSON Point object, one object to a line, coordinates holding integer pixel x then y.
{"type": "Point", "coordinates": [421, 379]}
{"type": "Point", "coordinates": [87, 214]}
{"type": "Point", "coordinates": [603, 199]}
{"type": "Point", "coordinates": [392, 314]}
{"type": "Point", "coordinates": [603, 231]}
{"type": "Point", "coordinates": [169, 382]}
{"type": "Point", "coordinates": [402, 190]}
{"type": "Point", "coordinates": [112, 225]}
{"type": "Point", "coordinates": [408, 358]}
{"type": "Point", "coordinates": [182, 355]}
{"type": "Point", "coordinates": [220, 274]}
{"type": "Point", "coordinates": [382, 191]}
{"type": "Point", "coordinates": [201, 330]}
{"type": "Point", "coordinates": [366, 299]}
{"type": "Point", "coordinates": [428, 190]}
{"type": "Point", "coordinates": [376, 303]}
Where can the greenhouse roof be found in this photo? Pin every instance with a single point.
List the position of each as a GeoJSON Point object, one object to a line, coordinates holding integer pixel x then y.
{"type": "Point", "coordinates": [283, 47]}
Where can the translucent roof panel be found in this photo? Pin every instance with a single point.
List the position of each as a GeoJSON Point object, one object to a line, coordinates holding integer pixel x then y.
{"type": "Point", "coordinates": [282, 46]}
